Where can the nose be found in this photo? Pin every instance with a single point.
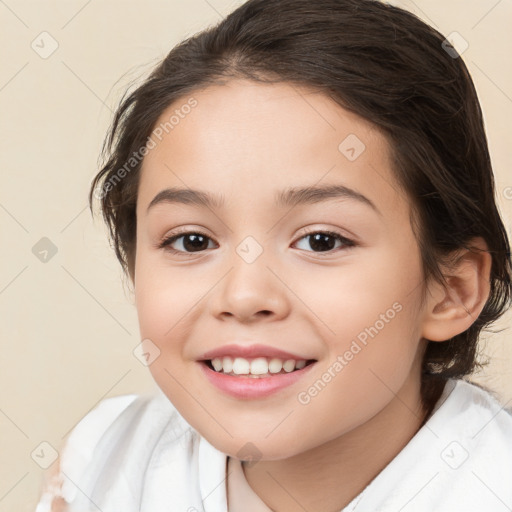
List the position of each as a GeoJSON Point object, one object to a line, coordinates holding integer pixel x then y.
{"type": "Point", "coordinates": [251, 292]}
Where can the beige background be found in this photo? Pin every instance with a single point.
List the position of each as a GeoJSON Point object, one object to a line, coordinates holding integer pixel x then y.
{"type": "Point", "coordinates": [69, 326]}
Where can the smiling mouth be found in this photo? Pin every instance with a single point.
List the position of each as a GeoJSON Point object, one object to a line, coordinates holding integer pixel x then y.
{"type": "Point", "coordinates": [255, 368]}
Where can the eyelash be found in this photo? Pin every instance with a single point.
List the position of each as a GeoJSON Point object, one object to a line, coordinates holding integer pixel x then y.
{"type": "Point", "coordinates": [167, 241]}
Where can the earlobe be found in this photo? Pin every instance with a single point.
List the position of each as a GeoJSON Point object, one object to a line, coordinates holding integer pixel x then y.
{"type": "Point", "coordinates": [452, 308]}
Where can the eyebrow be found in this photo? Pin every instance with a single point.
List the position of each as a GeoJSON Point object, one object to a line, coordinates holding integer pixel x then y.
{"type": "Point", "coordinates": [289, 197]}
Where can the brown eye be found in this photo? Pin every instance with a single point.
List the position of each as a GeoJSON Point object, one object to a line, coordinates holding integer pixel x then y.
{"type": "Point", "coordinates": [325, 241]}
{"type": "Point", "coordinates": [189, 242]}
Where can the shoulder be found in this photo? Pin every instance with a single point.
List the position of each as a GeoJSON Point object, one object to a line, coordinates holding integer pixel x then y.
{"type": "Point", "coordinates": [482, 403]}
{"type": "Point", "coordinates": [474, 413]}
{"type": "Point", "coordinates": [77, 447]}
{"type": "Point", "coordinates": [460, 459]}
{"type": "Point", "coordinates": [112, 429]}
{"type": "Point", "coordinates": [90, 428]}
{"type": "Point", "coordinates": [477, 452]}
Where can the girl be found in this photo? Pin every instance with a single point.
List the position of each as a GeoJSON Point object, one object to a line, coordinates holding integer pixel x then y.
{"type": "Point", "coordinates": [303, 199]}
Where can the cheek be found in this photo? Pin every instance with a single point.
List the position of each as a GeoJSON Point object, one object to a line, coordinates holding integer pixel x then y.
{"type": "Point", "coordinates": [361, 376]}
{"type": "Point", "coordinates": [164, 302]}
{"type": "Point", "coordinates": [367, 315]}
{"type": "Point", "coordinates": [369, 288]}
{"type": "Point", "coordinates": [165, 291]}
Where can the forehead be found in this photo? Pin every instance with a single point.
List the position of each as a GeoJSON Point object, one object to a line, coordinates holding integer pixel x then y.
{"type": "Point", "coordinates": [246, 141]}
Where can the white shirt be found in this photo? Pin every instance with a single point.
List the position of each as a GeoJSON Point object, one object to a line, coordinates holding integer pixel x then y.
{"type": "Point", "coordinates": [136, 453]}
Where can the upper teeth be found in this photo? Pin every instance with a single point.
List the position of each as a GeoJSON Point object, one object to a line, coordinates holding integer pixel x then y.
{"type": "Point", "coordinates": [257, 366]}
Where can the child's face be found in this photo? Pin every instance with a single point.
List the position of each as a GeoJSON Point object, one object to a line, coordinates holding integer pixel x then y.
{"type": "Point", "coordinates": [257, 279]}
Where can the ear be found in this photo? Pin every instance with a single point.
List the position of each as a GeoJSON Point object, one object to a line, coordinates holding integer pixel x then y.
{"type": "Point", "coordinates": [452, 309]}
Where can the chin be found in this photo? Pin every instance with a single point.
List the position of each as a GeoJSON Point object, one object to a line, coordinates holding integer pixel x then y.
{"type": "Point", "coordinates": [256, 448]}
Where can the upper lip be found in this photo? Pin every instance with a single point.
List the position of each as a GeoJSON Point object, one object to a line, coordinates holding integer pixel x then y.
{"type": "Point", "coordinates": [251, 351]}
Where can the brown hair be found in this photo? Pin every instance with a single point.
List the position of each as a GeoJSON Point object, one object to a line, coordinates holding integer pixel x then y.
{"type": "Point", "coordinates": [376, 60]}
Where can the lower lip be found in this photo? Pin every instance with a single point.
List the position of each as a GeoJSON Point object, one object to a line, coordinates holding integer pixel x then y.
{"type": "Point", "coordinates": [250, 387]}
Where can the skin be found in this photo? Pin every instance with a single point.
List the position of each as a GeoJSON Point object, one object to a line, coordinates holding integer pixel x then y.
{"type": "Point", "coordinates": [246, 141]}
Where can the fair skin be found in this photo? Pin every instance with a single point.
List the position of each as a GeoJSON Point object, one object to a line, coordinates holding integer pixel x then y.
{"type": "Point", "coordinates": [247, 142]}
